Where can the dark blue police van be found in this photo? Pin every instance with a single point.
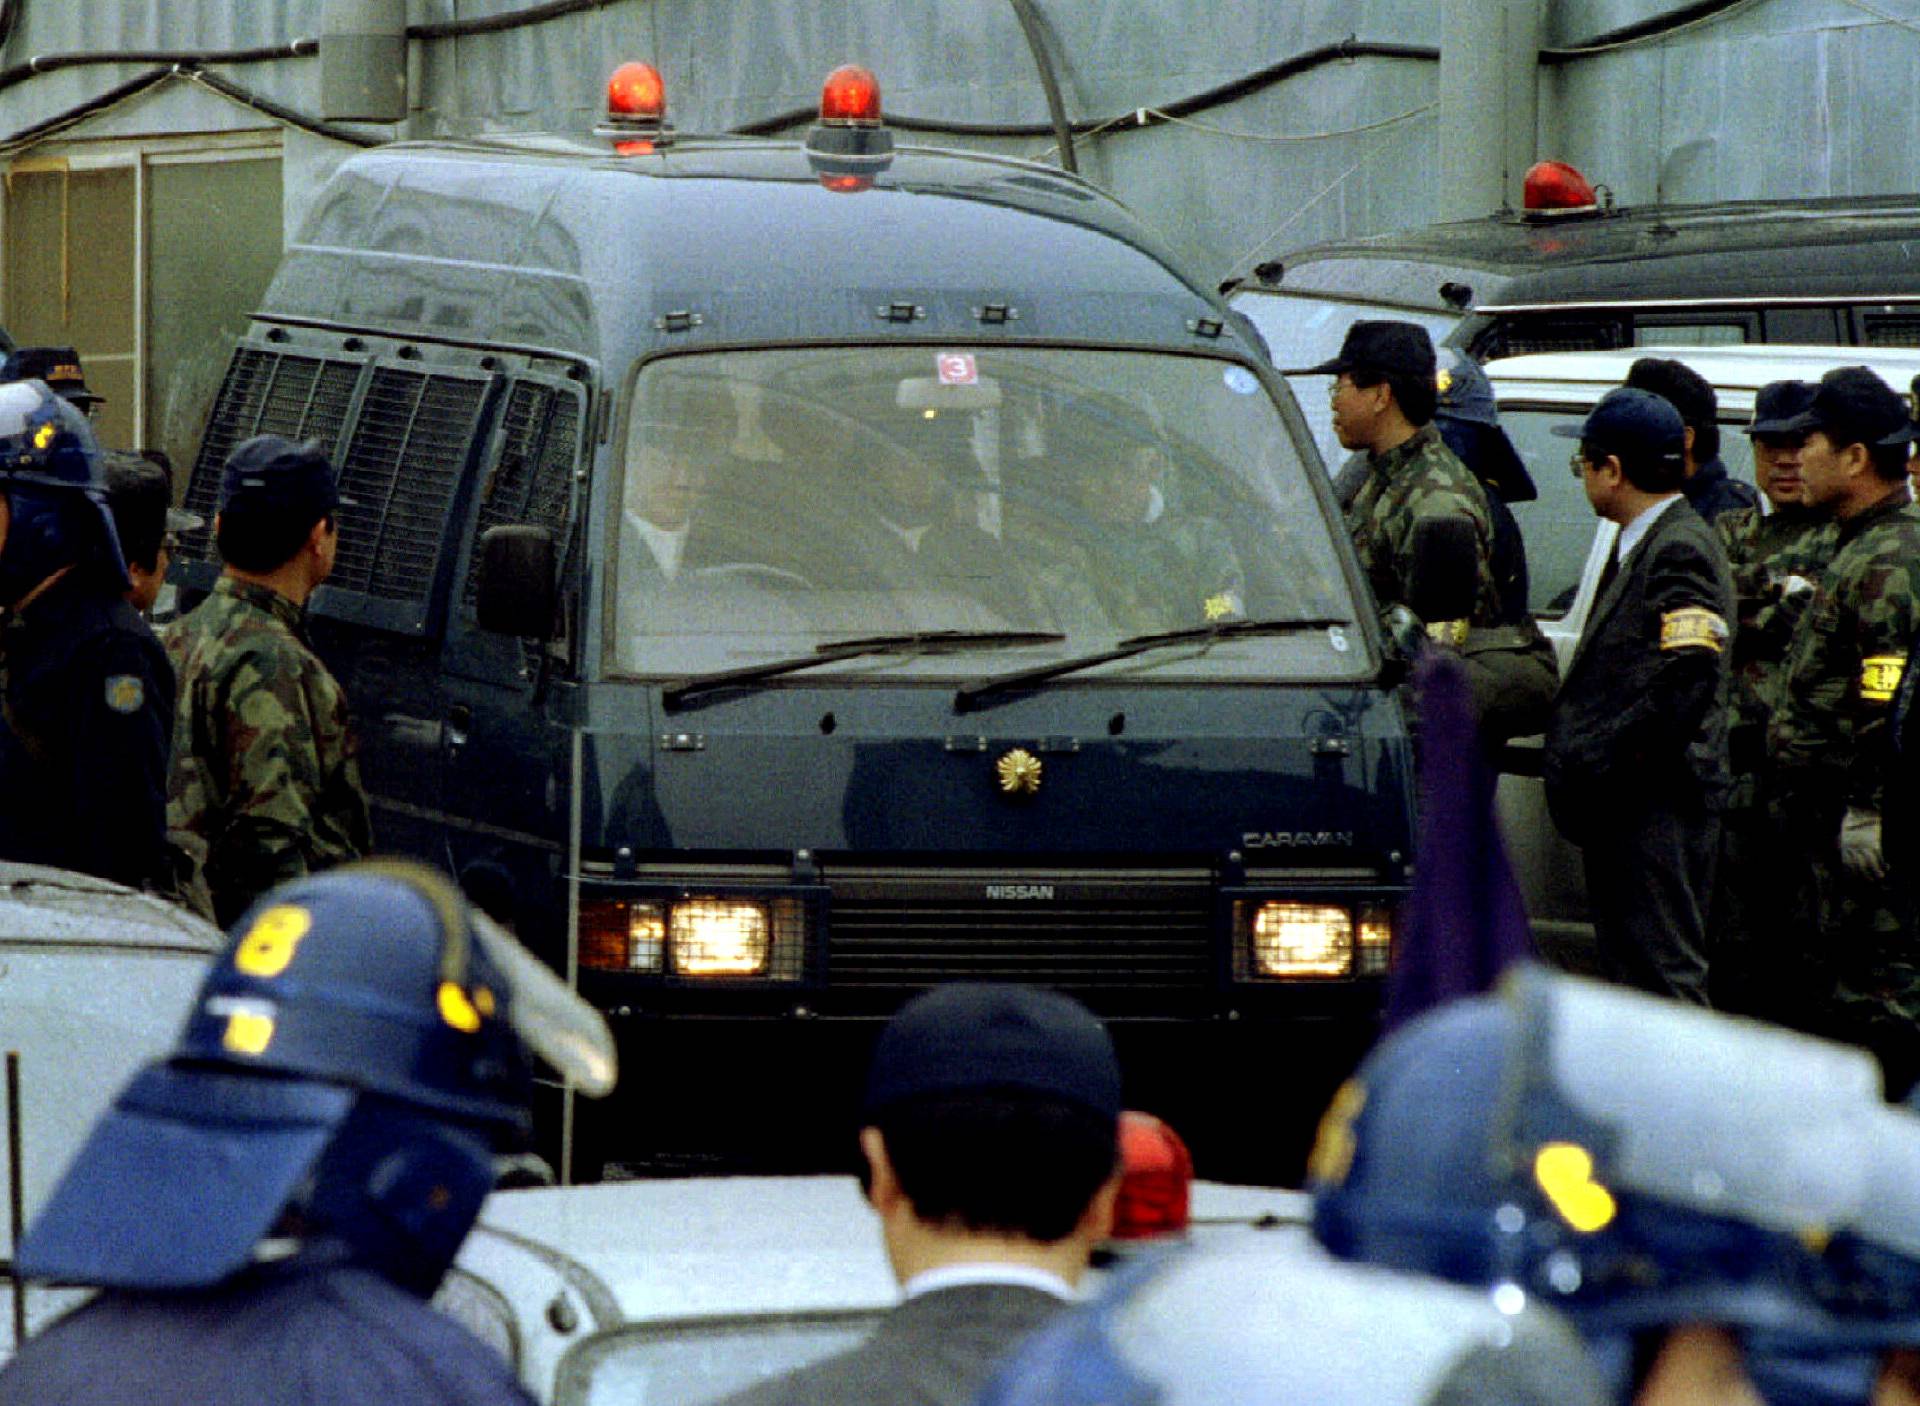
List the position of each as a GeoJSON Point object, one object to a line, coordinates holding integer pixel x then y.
{"type": "Point", "coordinates": [781, 576]}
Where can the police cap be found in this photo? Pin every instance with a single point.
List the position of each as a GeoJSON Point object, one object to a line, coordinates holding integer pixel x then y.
{"type": "Point", "coordinates": [1391, 348]}
{"type": "Point", "coordinates": [1852, 405]}
{"type": "Point", "coordinates": [1634, 425]}
{"type": "Point", "coordinates": [972, 1037]}
{"type": "Point", "coordinates": [1469, 421]}
{"type": "Point", "coordinates": [1777, 403]}
{"type": "Point", "coordinates": [59, 367]}
{"type": "Point", "coordinates": [270, 473]}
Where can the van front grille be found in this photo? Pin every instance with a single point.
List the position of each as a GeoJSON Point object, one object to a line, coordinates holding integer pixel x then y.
{"type": "Point", "coordinates": [1085, 937]}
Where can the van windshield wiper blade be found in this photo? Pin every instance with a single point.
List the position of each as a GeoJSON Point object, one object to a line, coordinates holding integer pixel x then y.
{"type": "Point", "coordinates": [968, 696]}
{"type": "Point", "coordinates": [675, 695]}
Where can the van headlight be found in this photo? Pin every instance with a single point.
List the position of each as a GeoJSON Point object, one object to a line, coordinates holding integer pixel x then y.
{"type": "Point", "coordinates": [719, 937]}
{"type": "Point", "coordinates": [1283, 940]}
{"type": "Point", "coordinates": [699, 937]}
{"type": "Point", "coordinates": [1302, 939]}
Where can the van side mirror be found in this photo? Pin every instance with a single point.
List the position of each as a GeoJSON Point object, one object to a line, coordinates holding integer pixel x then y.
{"type": "Point", "coordinates": [518, 585]}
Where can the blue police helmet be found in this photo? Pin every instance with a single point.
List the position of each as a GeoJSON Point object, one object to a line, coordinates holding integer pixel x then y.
{"type": "Point", "coordinates": [1468, 419]}
{"type": "Point", "coordinates": [1632, 1161]}
{"type": "Point", "coordinates": [54, 477]}
{"type": "Point", "coordinates": [358, 1053]}
{"type": "Point", "coordinates": [1272, 1319]}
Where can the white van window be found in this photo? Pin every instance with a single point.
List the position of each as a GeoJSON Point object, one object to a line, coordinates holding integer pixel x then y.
{"type": "Point", "coordinates": [775, 500]}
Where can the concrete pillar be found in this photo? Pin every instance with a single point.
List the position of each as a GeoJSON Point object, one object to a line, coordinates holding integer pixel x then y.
{"type": "Point", "coordinates": [363, 60]}
{"type": "Point", "coordinates": [1489, 103]}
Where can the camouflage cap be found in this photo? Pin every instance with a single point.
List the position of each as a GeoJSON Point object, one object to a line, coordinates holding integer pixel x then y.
{"type": "Point", "coordinates": [1852, 405]}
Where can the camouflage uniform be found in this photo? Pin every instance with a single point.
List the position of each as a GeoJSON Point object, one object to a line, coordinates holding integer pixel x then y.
{"type": "Point", "coordinates": [1829, 746]}
{"type": "Point", "coordinates": [264, 760]}
{"type": "Point", "coordinates": [1418, 480]}
{"type": "Point", "coordinates": [1509, 663]}
{"type": "Point", "coordinates": [1757, 949]}
{"type": "Point", "coordinates": [1167, 574]}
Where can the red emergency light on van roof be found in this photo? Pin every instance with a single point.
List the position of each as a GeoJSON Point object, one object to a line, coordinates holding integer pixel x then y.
{"type": "Point", "coordinates": [1156, 1179]}
{"type": "Point", "coordinates": [636, 92]}
{"type": "Point", "coordinates": [851, 95]}
{"type": "Point", "coordinates": [1555, 186]}
{"type": "Point", "coordinates": [849, 143]}
{"type": "Point", "coordinates": [636, 110]}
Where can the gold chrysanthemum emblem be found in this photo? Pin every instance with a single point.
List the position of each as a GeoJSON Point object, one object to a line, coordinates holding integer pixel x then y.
{"type": "Point", "coordinates": [1019, 772]}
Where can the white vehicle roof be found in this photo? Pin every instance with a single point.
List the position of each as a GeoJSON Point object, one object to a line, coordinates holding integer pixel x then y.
{"type": "Point", "coordinates": [1735, 372]}
{"type": "Point", "coordinates": [547, 1269]}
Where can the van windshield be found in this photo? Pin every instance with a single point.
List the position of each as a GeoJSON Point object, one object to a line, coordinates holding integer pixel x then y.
{"type": "Point", "coordinates": [772, 501]}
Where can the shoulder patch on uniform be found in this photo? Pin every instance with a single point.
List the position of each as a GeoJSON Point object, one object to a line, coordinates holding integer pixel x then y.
{"type": "Point", "coordinates": [1693, 627]}
{"type": "Point", "coordinates": [125, 693]}
{"type": "Point", "coordinates": [1880, 677]}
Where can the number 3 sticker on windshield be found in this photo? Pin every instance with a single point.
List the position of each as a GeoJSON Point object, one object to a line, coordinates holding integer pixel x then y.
{"type": "Point", "coordinates": [956, 369]}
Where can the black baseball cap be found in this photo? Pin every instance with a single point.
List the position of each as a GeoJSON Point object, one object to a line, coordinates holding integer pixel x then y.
{"type": "Point", "coordinates": [1778, 402]}
{"type": "Point", "coordinates": [975, 1037]}
{"type": "Point", "coordinates": [59, 367]}
{"type": "Point", "coordinates": [1394, 348]}
{"type": "Point", "coordinates": [1634, 425]}
{"type": "Point", "coordinates": [1852, 405]}
{"type": "Point", "coordinates": [270, 473]}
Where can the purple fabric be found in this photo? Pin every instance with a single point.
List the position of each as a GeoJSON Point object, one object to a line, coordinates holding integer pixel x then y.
{"type": "Point", "coordinates": [1465, 920]}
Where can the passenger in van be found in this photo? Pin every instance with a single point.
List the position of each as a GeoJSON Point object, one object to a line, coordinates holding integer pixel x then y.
{"type": "Point", "coordinates": [1830, 740]}
{"type": "Point", "coordinates": [1757, 953]}
{"type": "Point", "coordinates": [1636, 756]}
{"type": "Point", "coordinates": [663, 482]}
{"type": "Point", "coordinates": [266, 775]}
{"type": "Point", "coordinates": [931, 540]}
{"type": "Point", "coordinates": [1708, 486]}
{"type": "Point", "coordinates": [1149, 564]}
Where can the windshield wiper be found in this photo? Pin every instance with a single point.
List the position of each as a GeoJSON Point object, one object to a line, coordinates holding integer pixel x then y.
{"type": "Point", "coordinates": [675, 695]}
{"type": "Point", "coordinates": [968, 696]}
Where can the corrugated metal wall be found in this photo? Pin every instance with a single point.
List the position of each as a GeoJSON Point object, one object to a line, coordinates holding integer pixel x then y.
{"type": "Point", "coordinates": [1776, 97]}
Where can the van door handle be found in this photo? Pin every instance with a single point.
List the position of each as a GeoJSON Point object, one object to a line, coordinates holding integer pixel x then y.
{"type": "Point", "coordinates": [414, 734]}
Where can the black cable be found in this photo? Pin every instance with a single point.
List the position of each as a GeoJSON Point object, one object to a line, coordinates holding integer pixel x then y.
{"type": "Point", "coordinates": [170, 58]}
{"type": "Point", "coordinates": [1650, 28]}
{"type": "Point", "coordinates": [279, 111]}
{"type": "Point", "coordinates": [1266, 77]}
{"type": "Point", "coordinates": [495, 24]}
{"type": "Point", "coordinates": [153, 77]}
{"type": "Point", "coordinates": [1056, 109]}
{"type": "Point", "coordinates": [62, 120]}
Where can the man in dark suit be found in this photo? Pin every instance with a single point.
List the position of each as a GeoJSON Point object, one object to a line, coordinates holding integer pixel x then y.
{"type": "Point", "coordinates": [991, 1149]}
{"type": "Point", "coordinates": [1636, 761]}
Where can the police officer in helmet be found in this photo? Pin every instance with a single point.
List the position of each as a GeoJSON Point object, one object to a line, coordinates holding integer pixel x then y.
{"type": "Point", "coordinates": [1707, 1199]}
{"type": "Point", "coordinates": [269, 1208]}
{"type": "Point", "coordinates": [89, 693]}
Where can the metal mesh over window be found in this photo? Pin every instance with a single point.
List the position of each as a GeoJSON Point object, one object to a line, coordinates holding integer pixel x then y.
{"type": "Point", "coordinates": [1893, 330]}
{"type": "Point", "coordinates": [532, 479]}
{"type": "Point", "coordinates": [1556, 335]}
{"type": "Point", "coordinates": [266, 392]}
{"type": "Point", "coordinates": [410, 442]}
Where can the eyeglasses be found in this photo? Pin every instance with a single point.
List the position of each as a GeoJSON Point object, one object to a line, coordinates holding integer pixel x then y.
{"type": "Point", "coordinates": [1578, 463]}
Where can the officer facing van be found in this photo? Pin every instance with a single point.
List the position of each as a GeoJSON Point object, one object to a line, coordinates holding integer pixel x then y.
{"type": "Point", "coordinates": [269, 1208]}
{"type": "Point", "coordinates": [266, 773]}
{"type": "Point", "coordinates": [89, 695]}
